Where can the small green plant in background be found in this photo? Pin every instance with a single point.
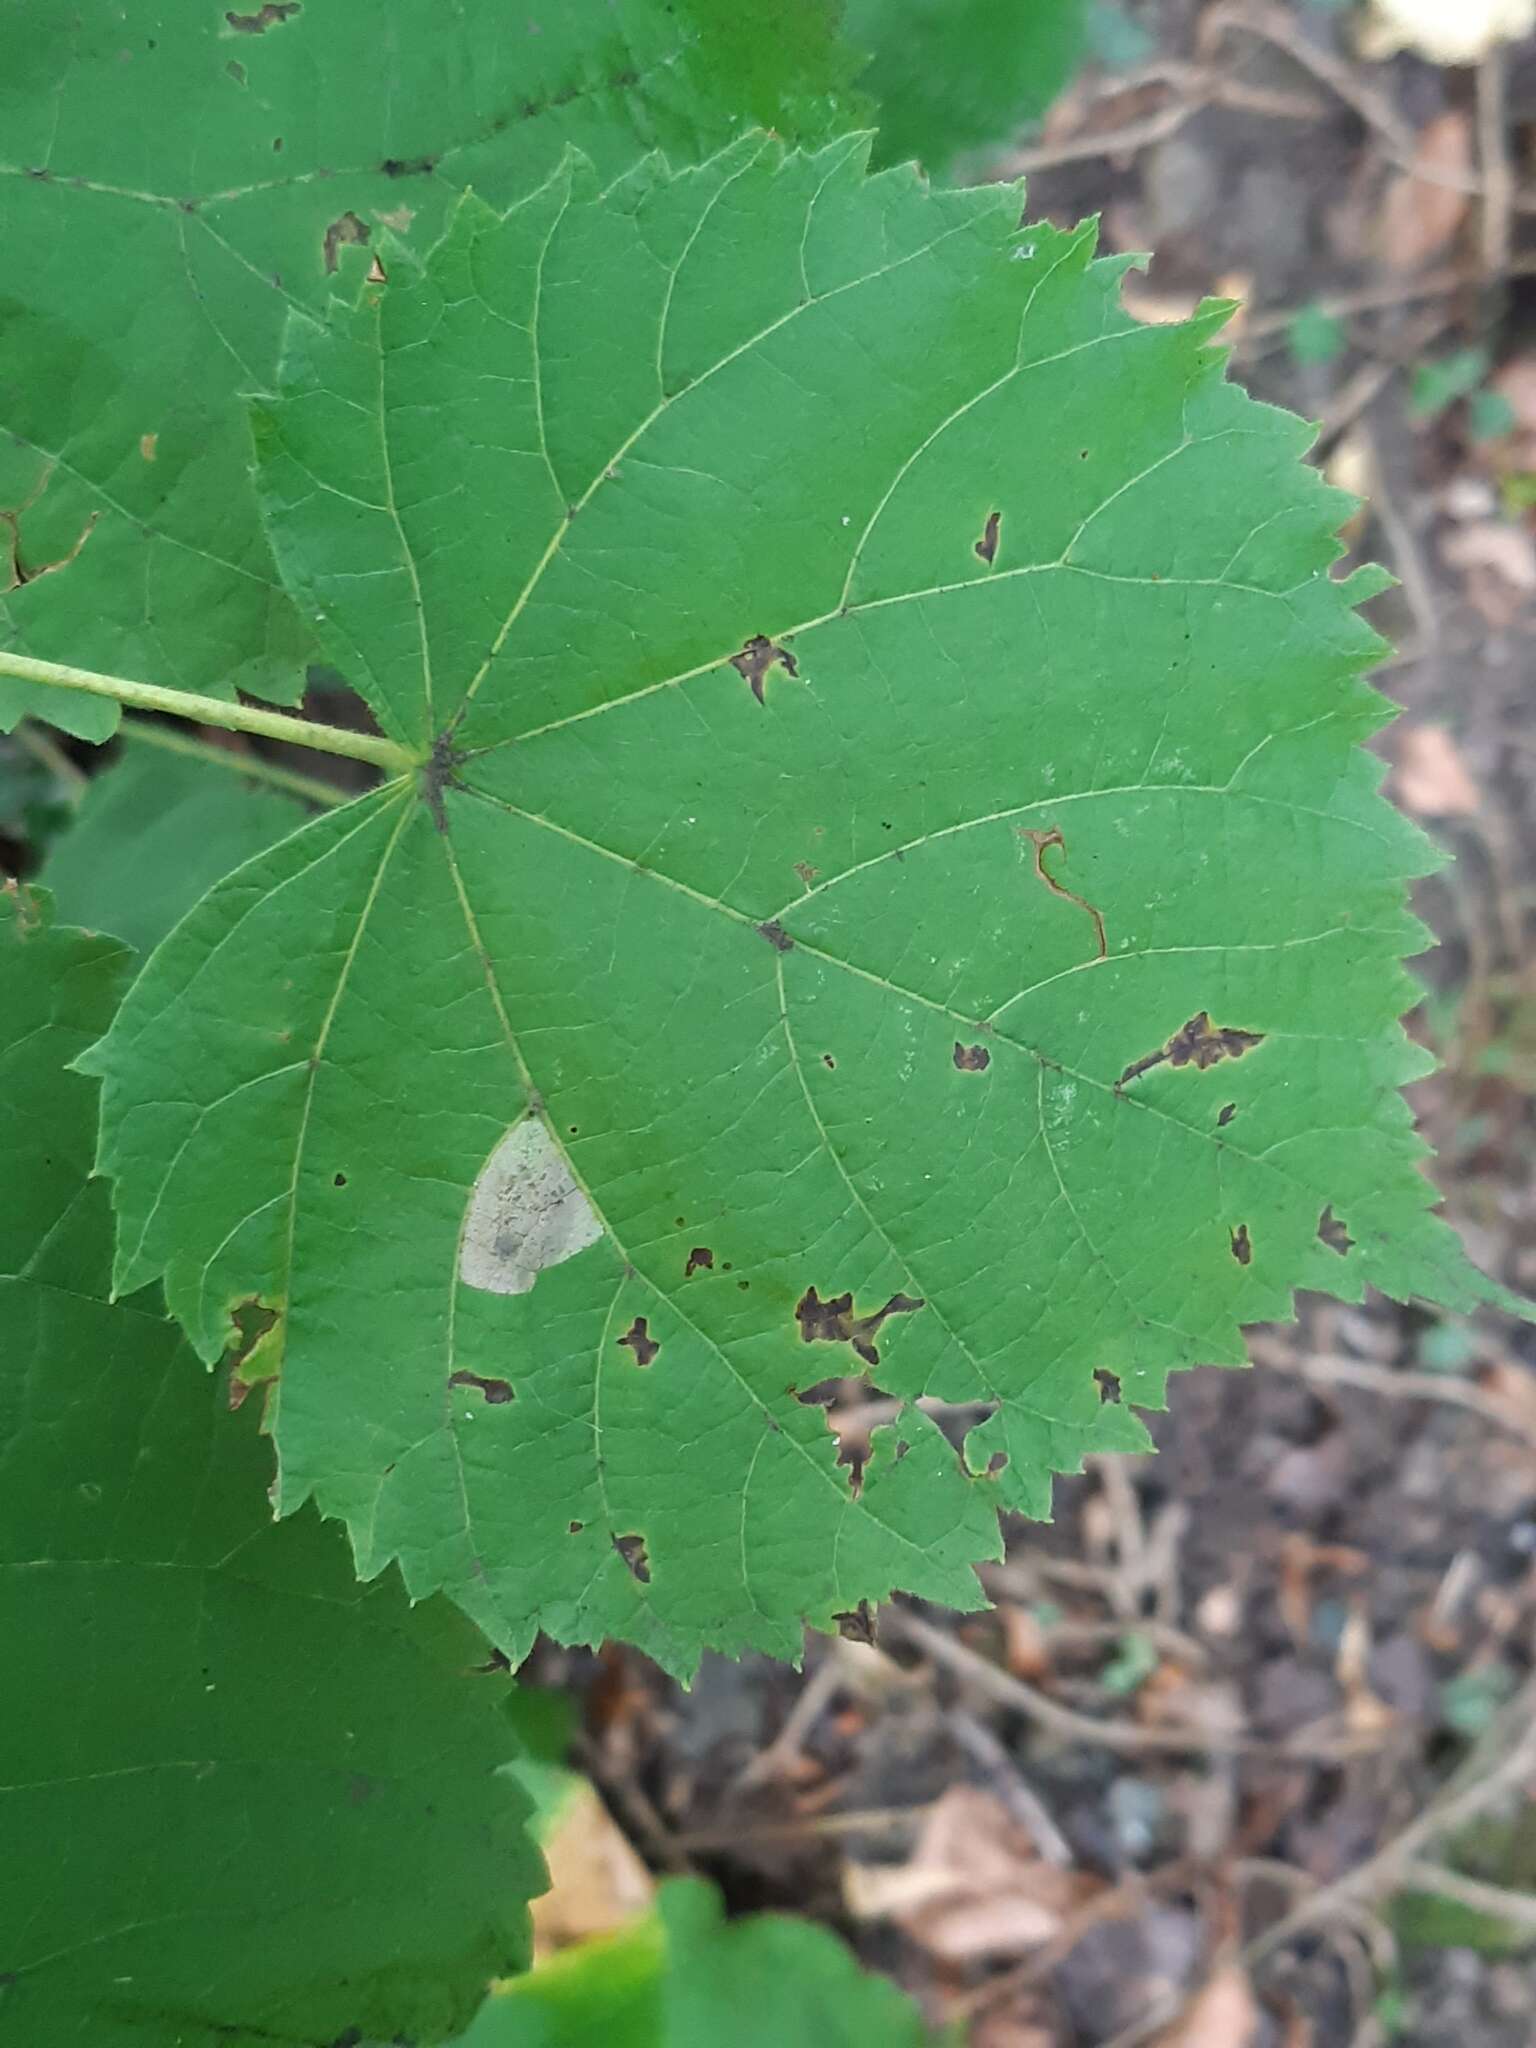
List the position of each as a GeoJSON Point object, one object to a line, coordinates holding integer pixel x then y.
{"type": "Point", "coordinates": [862, 863]}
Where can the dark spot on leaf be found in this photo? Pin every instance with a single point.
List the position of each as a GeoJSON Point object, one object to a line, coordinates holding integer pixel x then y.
{"type": "Point", "coordinates": [986, 547]}
{"type": "Point", "coordinates": [440, 772]}
{"type": "Point", "coordinates": [757, 657]}
{"type": "Point", "coordinates": [266, 16]}
{"type": "Point", "coordinates": [1228, 1111]}
{"type": "Point", "coordinates": [573, 1528]}
{"type": "Point", "coordinates": [701, 1258]}
{"type": "Point", "coordinates": [680, 1222]}
{"type": "Point", "coordinates": [408, 166]}
{"type": "Point", "coordinates": [972, 1059]}
{"type": "Point", "coordinates": [828, 1062]}
{"type": "Point", "coordinates": [742, 1284]}
{"type": "Point", "coordinates": [776, 936]}
{"type": "Point", "coordinates": [632, 1550]}
{"type": "Point", "coordinates": [338, 1180]}
{"type": "Point", "coordinates": [638, 1339]}
{"type": "Point", "coordinates": [497, 1662]}
{"type": "Point", "coordinates": [346, 229]}
{"type": "Point", "coordinates": [236, 71]}
{"type": "Point", "coordinates": [43, 177]}
{"type": "Point", "coordinates": [1242, 1245]}
{"type": "Point", "coordinates": [858, 1625]}
{"type": "Point", "coordinates": [1042, 842]}
{"type": "Point", "coordinates": [1333, 1233]}
{"type": "Point", "coordinates": [834, 1322]}
{"type": "Point", "coordinates": [1199, 1043]}
{"type": "Point", "coordinates": [998, 1462]}
{"type": "Point", "coordinates": [1108, 1385]}
{"type": "Point", "coordinates": [277, 144]}
{"type": "Point", "coordinates": [806, 872]}
{"type": "Point", "coordinates": [496, 1392]}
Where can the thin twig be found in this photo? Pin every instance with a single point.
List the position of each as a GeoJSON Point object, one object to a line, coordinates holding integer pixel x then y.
{"type": "Point", "coordinates": [1331, 1370]}
{"type": "Point", "coordinates": [1498, 179]}
{"type": "Point", "coordinates": [42, 746]}
{"type": "Point", "coordinates": [1518, 1908]}
{"type": "Point", "coordinates": [1124, 1737]}
{"type": "Point", "coordinates": [1008, 1782]}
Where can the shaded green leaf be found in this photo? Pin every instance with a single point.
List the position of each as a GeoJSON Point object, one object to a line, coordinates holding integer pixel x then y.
{"type": "Point", "coordinates": [152, 834]}
{"type": "Point", "coordinates": [687, 1978]}
{"type": "Point", "coordinates": [955, 75]}
{"type": "Point", "coordinates": [217, 1751]}
{"type": "Point", "coordinates": [894, 888]}
{"type": "Point", "coordinates": [177, 179]}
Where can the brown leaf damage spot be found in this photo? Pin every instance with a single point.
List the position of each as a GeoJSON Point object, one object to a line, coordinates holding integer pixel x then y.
{"type": "Point", "coordinates": [776, 936]}
{"type": "Point", "coordinates": [1242, 1245]}
{"type": "Point", "coordinates": [19, 570]}
{"type": "Point", "coordinates": [1226, 1114]}
{"type": "Point", "coordinates": [833, 1321]}
{"type": "Point", "coordinates": [348, 229]}
{"type": "Point", "coordinates": [857, 1625]}
{"type": "Point", "coordinates": [269, 15]}
{"type": "Point", "coordinates": [700, 1260]}
{"type": "Point", "coordinates": [972, 1059]}
{"type": "Point", "coordinates": [758, 656]}
{"type": "Point", "coordinates": [632, 1550]}
{"type": "Point", "coordinates": [986, 547]}
{"type": "Point", "coordinates": [1043, 842]}
{"type": "Point", "coordinates": [1333, 1233]}
{"type": "Point", "coordinates": [497, 1392]}
{"type": "Point", "coordinates": [638, 1339]}
{"type": "Point", "coordinates": [1199, 1043]}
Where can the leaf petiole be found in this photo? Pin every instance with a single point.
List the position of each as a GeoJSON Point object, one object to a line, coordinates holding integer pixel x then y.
{"type": "Point", "coordinates": [275, 725]}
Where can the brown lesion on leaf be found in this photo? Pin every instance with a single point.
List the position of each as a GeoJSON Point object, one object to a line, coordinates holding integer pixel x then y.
{"type": "Point", "coordinates": [1043, 843]}
{"type": "Point", "coordinates": [1333, 1233]}
{"type": "Point", "coordinates": [1242, 1245]}
{"type": "Point", "coordinates": [348, 230]}
{"type": "Point", "coordinates": [1199, 1043]}
{"type": "Point", "coordinates": [700, 1260]}
{"type": "Point", "coordinates": [638, 1340]}
{"type": "Point", "coordinates": [19, 571]}
{"type": "Point", "coordinates": [776, 936]}
{"type": "Point", "coordinates": [757, 656]}
{"type": "Point", "coordinates": [986, 547]}
{"type": "Point", "coordinates": [857, 1625]}
{"type": "Point", "coordinates": [1108, 1384]}
{"type": "Point", "coordinates": [972, 1059]}
{"type": "Point", "coordinates": [497, 1392]}
{"type": "Point", "coordinates": [408, 166]}
{"type": "Point", "coordinates": [806, 872]}
{"type": "Point", "coordinates": [834, 1322]}
{"type": "Point", "coordinates": [1227, 1112]}
{"type": "Point", "coordinates": [270, 15]}
{"type": "Point", "coordinates": [632, 1550]}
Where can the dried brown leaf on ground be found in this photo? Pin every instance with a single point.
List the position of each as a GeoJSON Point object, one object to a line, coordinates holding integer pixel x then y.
{"type": "Point", "coordinates": [1225, 2014]}
{"type": "Point", "coordinates": [1420, 216]}
{"type": "Point", "coordinates": [596, 1881]}
{"type": "Point", "coordinates": [1431, 779]}
{"type": "Point", "coordinates": [973, 1886]}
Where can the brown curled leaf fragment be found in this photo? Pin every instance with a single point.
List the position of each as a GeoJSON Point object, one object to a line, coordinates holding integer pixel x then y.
{"type": "Point", "coordinates": [1242, 1245]}
{"type": "Point", "coordinates": [1199, 1043]}
{"type": "Point", "coordinates": [972, 1059]}
{"type": "Point", "coordinates": [834, 1322]}
{"type": "Point", "coordinates": [986, 547]}
{"type": "Point", "coordinates": [638, 1339]}
{"type": "Point", "coordinates": [757, 657]}
{"type": "Point", "coordinates": [1333, 1233]}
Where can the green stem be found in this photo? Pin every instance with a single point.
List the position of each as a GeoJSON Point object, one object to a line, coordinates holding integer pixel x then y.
{"type": "Point", "coordinates": [272, 725]}
{"type": "Point", "coordinates": [255, 767]}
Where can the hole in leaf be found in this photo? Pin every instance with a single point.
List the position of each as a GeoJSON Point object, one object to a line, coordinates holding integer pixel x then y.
{"type": "Point", "coordinates": [757, 657]}
{"type": "Point", "coordinates": [269, 15]}
{"type": "Point", "coordinates": [638, 1339]}
{"type": "Point", "coordinates": [700, 1259]}
{"type": "Point", "coordinates": [1242, 1245]}
{"type": "Point", "coordinates": [857, 1625]}
{"type": "Point", "coordinates": [833, 1321]}
{"type": "Point", "coordinates": [972, 1059]}
{"type": "Point", "coordinates": [347, 229]}
{"type": "Point", "coordinates": [1109, 1386]}
{"type": "Point", "coordinates": [497, 1392]}
{"type": "Point", "coordinates": [632, 1550]}
{"type": "Point", "coordinates": [986, 547]}
{"type": "Point", "coordinates": [1333, 1233]}
{"type": "Point", "coordinates": [1199, 1043]}
{"type": "Point", "coordinates": [1228, 1111]}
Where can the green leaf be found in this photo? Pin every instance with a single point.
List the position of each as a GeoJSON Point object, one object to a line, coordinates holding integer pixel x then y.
{"type": "Point", "coordinates": [1439, 384]}
{"type": "Point", "coordinates": [174, 181]}
{"type": "Point", "coordinates": [955, 75]}
{"type": "Point", "coordinates": [217, 1751]}
{"type": "Point", "coordinates": [152, 834]}
{"type": "Point", "coordinates": [1315, 336]}
{"type": "Point", "coordinates": [895, 888]}
{"type": "Point", "coordinates": [689, 1979]}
